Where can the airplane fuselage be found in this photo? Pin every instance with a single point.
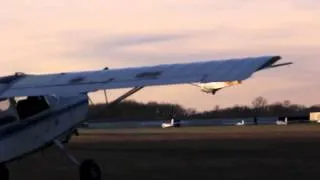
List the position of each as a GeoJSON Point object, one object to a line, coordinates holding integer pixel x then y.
{"type": "Point", "coordinates": [37, 131]}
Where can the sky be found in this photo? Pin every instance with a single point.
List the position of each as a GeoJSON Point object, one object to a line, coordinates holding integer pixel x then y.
{"type": "Point", "coordinates": [47, 36]}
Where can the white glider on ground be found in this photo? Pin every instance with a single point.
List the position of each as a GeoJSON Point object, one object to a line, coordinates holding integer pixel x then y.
{"type": "Point", "coordinates": [241, 123]}
{"type": "Point", "coordinates": [37, 111]}
{"type": "Point", "coordinates": [171, 124]}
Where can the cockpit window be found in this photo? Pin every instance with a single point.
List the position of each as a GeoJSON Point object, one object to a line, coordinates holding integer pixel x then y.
{"type": "Point", "coordinates": [7, 113]}
{"type": "Point", "coordinates": [32, 105]}
{"type": "Point", "coordinates": [4, 105]}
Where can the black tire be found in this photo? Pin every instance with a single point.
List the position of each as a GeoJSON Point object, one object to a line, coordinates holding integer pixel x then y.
{"type": "Point", "coordinates": [177, 123]}
{"type": "Point", "coordinates": [4, 172]}
{"type": "Point", "coordinates": [89, 170]}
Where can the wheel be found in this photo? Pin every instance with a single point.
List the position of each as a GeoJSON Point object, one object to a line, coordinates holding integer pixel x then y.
{"type": "Point", "coordinates": [177, 123]}
{"type": "Point", "coordinates": [4, 172]}
{"type": "Point", "coordinates": [89, 170]}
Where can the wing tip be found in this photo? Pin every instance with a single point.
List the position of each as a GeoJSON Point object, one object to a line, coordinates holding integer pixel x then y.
{"type": "Point", "coordinates": [271, 60]}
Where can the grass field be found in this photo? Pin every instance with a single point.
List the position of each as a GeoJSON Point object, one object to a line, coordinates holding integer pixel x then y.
{"type": "Point", "coordinates": [250, 152]}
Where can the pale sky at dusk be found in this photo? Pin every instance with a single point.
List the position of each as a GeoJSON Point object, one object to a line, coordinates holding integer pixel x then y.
{"type": "Point", "coordinates": [42, 36]}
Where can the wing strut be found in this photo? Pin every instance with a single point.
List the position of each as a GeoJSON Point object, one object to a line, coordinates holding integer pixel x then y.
{"type": "Point", "coordinates": [118, 100]}
{"type": "Point", "coordinates": [125, 95]}
{"type": "Point", "coordinates": [105, 96]}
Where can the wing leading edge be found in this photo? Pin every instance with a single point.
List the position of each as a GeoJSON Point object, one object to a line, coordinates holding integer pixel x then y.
{"type": "Point", "coordinates": [88, 81]}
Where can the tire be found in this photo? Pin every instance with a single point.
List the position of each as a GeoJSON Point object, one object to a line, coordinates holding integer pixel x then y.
{"type": "Point", "coordinates": [89, 170]}
{"type": "Point", "coordinates": [4, 172]}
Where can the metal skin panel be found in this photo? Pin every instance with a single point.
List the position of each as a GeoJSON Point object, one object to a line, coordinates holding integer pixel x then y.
{"type": "Point", "coordinates": [24, 139]}
{"type": "Point", "coordinates": [83, 82]}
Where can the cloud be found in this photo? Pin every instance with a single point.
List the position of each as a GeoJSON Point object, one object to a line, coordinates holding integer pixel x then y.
{"type": "Point", "coordinates": [306, 4]}
{"type": "Point", "coordinates": [126, 47]}
{"type": "Point", "coordinates": [218, 41]}
{"type": "Point", "coordinates": [133, 40]}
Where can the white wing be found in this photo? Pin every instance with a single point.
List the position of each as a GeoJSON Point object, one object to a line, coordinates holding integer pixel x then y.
{"type": "Point", "coordinates": [83, 82]}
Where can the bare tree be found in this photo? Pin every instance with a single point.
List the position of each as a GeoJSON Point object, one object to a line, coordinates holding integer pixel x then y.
{"type": "Point", "coordinates": [216, 108]}
{"type": "Point", "coordinates": [259, 103]}
{"type": "Point", "coordinates": [286, 103]}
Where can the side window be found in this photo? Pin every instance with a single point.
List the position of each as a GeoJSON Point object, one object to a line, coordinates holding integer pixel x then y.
{"type": "Point", "coordinates": [31, 106]}
{"type": "Point", "coordinates": [4, 105]}
{"type": "Point", "coordinates": [7, 113]}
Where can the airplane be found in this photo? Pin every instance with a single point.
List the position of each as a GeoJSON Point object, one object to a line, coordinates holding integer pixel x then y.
{"type": "Point", "coordinates": [173, 123]}
{"type": "Point", "coordinates": [42, 110]}
{"type": "Point", "coordinates": [241, 123]}
{"type": "Point", "coordinates": [282, 122]}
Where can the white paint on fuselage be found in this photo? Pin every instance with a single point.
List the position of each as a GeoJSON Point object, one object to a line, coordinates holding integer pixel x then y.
{"type": "Point", "coordinates": [16, 143]}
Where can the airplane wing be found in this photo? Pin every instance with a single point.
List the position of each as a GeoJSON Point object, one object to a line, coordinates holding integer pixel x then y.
{"type": "Point", "coordinates": [72, 83]}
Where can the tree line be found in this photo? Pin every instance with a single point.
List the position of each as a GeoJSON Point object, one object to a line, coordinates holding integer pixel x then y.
{"type": "Point", "coordinates": [131, 110]}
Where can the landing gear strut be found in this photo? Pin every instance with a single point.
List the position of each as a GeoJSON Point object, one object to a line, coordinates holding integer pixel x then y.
{"type": "Point", "coordinates": [88, 169]}
{"type": "Point", "coordinates": [4, 172]}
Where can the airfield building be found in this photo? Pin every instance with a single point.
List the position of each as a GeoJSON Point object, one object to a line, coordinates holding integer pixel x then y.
{"type": "Point", "coordinates": [315, 116]}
